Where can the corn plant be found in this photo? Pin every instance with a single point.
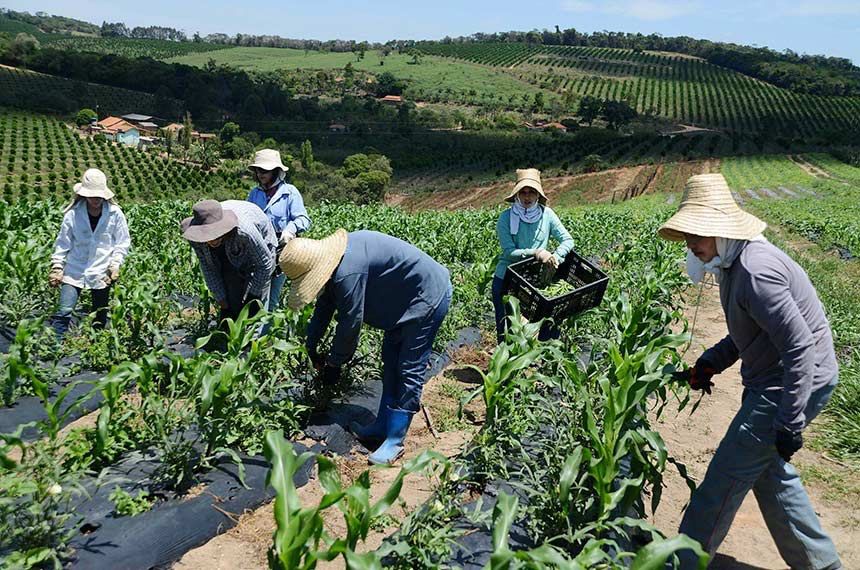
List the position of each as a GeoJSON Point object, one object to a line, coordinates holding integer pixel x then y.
{"type": "Point", "coordinates": [18, 367]}
{"type": "Point", "coordinates": [300, 540]}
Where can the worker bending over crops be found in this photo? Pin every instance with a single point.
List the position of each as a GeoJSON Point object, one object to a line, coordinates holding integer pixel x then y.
{"type": "Point", "coordinates": [89, 250]}
{"type": "Point", "coordinates": [235, 243]}
{"type": "Point", "coordinates": [524, 231]}
{"type": "Point", "coordinates": [373, 278]}
{"type": "Point", "coordinates": [282, 203]}
{"type": "Point", "coordinates": [778, 330]}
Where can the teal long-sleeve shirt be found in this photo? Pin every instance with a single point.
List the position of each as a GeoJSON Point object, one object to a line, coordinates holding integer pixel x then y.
{"type": "Point", "coordinates": [530, 238]}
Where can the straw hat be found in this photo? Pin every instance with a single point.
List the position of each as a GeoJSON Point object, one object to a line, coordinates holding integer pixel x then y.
{"type": "Point", "coordinates": [709, 210]}
{"type": "Point", "coordinates": [309, 264]}
{"type": "Point", "coordinates": [93, 184]}
{"type": "Point", "coordinates": [267, 159]}
{"type": "Point", "coordinates": [528, 177]}
{"type": "Point", "coordinates": [210, 221]}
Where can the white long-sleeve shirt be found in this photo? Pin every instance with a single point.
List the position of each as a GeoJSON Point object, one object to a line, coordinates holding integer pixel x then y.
{"type": "Point", "coordinates": [86, 254]}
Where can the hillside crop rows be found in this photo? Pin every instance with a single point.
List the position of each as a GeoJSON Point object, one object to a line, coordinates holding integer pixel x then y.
{"type": "Point", "coordinates": [682, 88]}
{"type": "Point", "coordinates": [131, 47]}
{"type": "Point", "coordinates": [40, 156]}
{"type": "Point", "coordinates": [39, 91]}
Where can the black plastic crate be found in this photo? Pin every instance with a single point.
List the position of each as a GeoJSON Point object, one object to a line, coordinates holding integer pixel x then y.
{"type": "Point", "coordinates": [524, 280]}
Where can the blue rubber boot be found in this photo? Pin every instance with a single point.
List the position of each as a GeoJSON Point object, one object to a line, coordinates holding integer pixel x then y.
{"type": "Point", "coordinates": [376, 430]}
{"type": "Point", "coordinates": [392, 447]}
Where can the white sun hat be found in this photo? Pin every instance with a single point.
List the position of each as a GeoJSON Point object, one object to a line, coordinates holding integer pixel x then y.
{"type": "Point", "coordinates": [93, 184]}
{"type": "Point", "coordinates": [309, 264]}
{"type": "Point", "coordinates": [708, 209]}
{"type": "Point", "coordinates": [267, 159]}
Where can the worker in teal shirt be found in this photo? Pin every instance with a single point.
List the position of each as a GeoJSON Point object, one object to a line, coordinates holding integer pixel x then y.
{"type": "Point", "coordinates": [524, 231]}
{"type": "Point", "coordinates": [282, 203]}
{"type": "Point", "coordinates": [369, 277]}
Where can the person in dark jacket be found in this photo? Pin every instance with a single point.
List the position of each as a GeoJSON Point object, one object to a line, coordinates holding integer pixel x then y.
{"type": "Point", "coordinates": [777, 328]}
{"type": "Point", "coordinates": [369, 277]}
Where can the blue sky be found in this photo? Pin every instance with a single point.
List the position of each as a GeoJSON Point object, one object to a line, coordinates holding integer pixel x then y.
{"type": "Point", "coordinates": [831, 27]}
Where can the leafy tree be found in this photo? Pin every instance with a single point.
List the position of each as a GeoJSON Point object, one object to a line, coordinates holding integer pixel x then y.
{"type": "Point", "coordinates": [618, 113]}
{"type": "Point", "coordinates": [85, 117]}
{"type": "Point", "coordinates": [205, 155]}
{"type": "Point", "coordinates": [370, 186]}
{"type": "Point", "coordinates": [539, 103]}
{"type": "Point", "coordinates": [185, 136]}
{"type": "Point", "coordinates": [306, 155]}
{"type": "Point", "coordinates": [229, 131]}
{"type": "Point", "coordinates": [238, 148]}
{"type": "Point", "coordinates": [589, 109]}
{"type": "Point", "coordinates": [356, 164]}
{"type": "Point", "coordinates": [388, 84]}
{"type": "Point", "coordinates": [22, 46]}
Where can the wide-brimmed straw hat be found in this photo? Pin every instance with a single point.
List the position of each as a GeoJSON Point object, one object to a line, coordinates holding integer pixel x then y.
{"type": "Point", "coordinates": [210, 221]}
{"type": "Point", "coordinates": [709, 210]}
{"type": "Point", "coordinates": [93, 184]}
{"type": "Point", "coordinates": [528, 177]}
{"type": "Point", "coordinates": [267, 159]}
{"type": "Point", "coordinates": [309, 264]}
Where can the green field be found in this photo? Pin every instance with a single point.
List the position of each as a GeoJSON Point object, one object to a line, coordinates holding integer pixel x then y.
{"type": "Point", "coordinates": [453, 80]}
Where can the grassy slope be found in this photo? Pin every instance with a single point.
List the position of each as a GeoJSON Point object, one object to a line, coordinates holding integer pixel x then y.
{"type": "Point", "coordinates": [432, 73]}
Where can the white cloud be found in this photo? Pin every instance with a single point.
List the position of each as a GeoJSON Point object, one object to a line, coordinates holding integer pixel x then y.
{"type": "Point", "coordinates": [650, 10]}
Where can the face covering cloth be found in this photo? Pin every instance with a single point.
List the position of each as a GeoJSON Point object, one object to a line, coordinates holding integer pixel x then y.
{"type": "Point", "coordinates": [728, 251]}
{"type": "Point", "coordinates": [520, 213]}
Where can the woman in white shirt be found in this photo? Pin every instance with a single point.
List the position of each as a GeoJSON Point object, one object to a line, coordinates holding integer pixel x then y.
{"type": "Point", "coordinates": [90, 248]}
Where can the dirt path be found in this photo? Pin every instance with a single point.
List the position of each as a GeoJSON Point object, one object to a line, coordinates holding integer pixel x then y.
{"type": "Point", "coordinates": [808, 167]}
{"type": "Point", "coordinates": [693, 439]}
{"type": "Point", "coordinates": [244, 547]}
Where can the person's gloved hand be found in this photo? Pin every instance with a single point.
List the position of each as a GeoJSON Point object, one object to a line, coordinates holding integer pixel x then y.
{"type": "Point", "coordinates": [698, 376]}
{"type": "Point", "coordinates": [544, 256]}
{"type": "Point", "coordinates": [112, 274]}
{"type": "Point", "coordinates": [788, 443]}
{"type": "Point", "coordinates": [286, 237]}
{"type": "Point", "coordinates": [330, 375]}
{"type": "Point", "coordinates": [55, 277]}
{"type": "Point", "coordinates": [317, 359]}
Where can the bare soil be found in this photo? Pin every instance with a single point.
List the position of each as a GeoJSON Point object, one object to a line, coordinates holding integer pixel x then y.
{"type": "Point", "coordinates": [244, 547]}
{"type": "Point", "coordinates": [692, 439]}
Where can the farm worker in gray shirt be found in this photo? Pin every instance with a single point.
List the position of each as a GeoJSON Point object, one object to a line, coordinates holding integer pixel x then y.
{"type": "Point", "coordinates": [89, 250]}
{"type": "Point", "coordinates": [373, 278]}
{"type": "Point", "coordinates": [778, 330]}
{"type": "Point", "coordinates": [283, 204]}
{"type": "Point", "coordinates": [235, 243]}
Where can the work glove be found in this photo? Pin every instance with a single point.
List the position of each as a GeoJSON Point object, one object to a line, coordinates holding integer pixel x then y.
{"type": "Point", "coordinates": [112, 275]}
{"type": "Point", "coordinates": [317, 359]}
{"type": "Point", "coordinates": [55, 277]}
{"type": "Point", "coordinates": [330, 375]}
{"type": "Point", "coordinates": [544, 256]}
{"type": "Point", "coordinates": [286, 237]}
{"type": "Point", "coordinates": [788, 443]}
{"type": "Point", "coordinates": [698, 376]}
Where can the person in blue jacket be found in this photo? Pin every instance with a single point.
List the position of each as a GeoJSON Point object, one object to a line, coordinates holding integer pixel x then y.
{"type": "Point", "coordinates": [369, 277]}
{"type": "Point", "coordinates": [283, 204]}
{"type": "Point", "coordinates": [524, 231]}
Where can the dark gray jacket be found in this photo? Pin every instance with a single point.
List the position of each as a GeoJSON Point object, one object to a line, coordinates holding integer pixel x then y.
{"type": "Point", "coordinates": [777, 328]}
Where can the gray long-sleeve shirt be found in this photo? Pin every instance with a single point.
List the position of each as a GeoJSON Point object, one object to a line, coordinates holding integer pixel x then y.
{"type": "Point", "coordinates": [382, 281]}
{"type": "Point", "coordinates": [250, 249]}
{"type": "Point", "coordinates": [778, 329]}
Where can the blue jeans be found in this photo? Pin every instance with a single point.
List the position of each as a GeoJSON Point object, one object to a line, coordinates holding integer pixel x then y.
{"type": "Point", "coordinates": [69, 295]}
{"type": "Point", "coordinates": [405, 354]}
{"type": "Point", "coordinates": [547, 331]}
{"type": "Point", "coordinates": [747, 460]}
{"type": "Point", "coordinates": [275, 291]}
